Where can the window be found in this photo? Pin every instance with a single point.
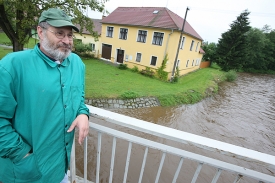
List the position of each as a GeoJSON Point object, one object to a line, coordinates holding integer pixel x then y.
{"type": "Point", "coordinates": [192, 44]}
{"type": "Point", "coordinates": [123, 33]}
{"type": "Point", "coordinates": [182, 42]}
{"type": "Point", "coordinates": [197, 46]}
{"type": "Point", "coordinates": [178, 64]}
{"type": "Point", "coordinates": [138, 57]}
{"type": "Point", "coordinates": [157, 39]}
{"type": "Point", "coordinates": [193, 63]}
{"type": "Point", "coordinates": [110, 31]}
{"type": "Point", "coordinates": [92, 46]}
{"type": "Point", "coordinates": [153, 61]}
{"type": "Point", "coordinates": [198, 61]}
{"type": "Point", "coordinates": [142, 36]}
{"type": "Point", "coordinates": [187, 63]}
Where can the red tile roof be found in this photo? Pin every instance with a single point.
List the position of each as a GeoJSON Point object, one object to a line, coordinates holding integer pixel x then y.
{"type": "Point", "coordinates": [144, 16]}
{"type": "Point", "coordinates": [96, 28]}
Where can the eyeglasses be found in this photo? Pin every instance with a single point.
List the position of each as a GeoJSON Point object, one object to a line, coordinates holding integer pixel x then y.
{"type": "Point", "coordinates": [61, 34]}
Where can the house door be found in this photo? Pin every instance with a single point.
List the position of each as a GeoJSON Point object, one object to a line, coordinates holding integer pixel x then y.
{"type": "Point", "coordinates": [120, 56]}
{"type": "Point", "coordinates": [106, 51]}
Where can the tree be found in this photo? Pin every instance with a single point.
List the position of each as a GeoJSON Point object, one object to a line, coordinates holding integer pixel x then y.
{"type": "Point", "coordinates": [210, 51]}
{"type": "Point", "coordinates": [256, 44]}
{"type": "Point", "coordinates": [232, 47]}
{"type": "Point", "coordinates": [19, 17]}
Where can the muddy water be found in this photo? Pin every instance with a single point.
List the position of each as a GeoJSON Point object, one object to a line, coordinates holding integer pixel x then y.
{"type": "Point", "coordinates": [242, 113]}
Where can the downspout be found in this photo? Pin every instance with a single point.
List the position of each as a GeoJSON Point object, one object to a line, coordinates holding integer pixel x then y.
{"type": "Point", "coordinates": [172, 30]}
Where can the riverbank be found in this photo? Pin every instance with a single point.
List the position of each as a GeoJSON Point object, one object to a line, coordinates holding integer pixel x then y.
{"type": "Point", "coordinates": [105, 81]}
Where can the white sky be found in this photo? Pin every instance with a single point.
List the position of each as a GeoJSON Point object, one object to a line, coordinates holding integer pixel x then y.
{"type": "Point", "coordinates": [210, 18]}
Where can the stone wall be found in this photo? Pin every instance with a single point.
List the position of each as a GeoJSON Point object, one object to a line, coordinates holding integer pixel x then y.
{"type": "Point", "coordinates": [127, 103]}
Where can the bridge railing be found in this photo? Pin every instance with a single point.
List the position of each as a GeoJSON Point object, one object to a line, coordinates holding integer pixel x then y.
{"type": "Point", "coordinates": [174, 135]}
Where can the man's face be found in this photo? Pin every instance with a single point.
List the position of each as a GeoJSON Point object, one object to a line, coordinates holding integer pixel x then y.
{"type": "Point", "coordinates": [57, 42]}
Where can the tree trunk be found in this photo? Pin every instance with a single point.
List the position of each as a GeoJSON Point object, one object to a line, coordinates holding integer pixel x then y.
{"type": "Point", "coordinates": [17, 46]}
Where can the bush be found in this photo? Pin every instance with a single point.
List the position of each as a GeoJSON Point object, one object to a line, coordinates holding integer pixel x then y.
{"type": "Point", "coordinates": [231, 75]}
{"type": "Point", "coordinates": [129, 95]}
{"type": "Point", "coordinates": [163, 75]}
{"type": "Point", "coordinates": [177, 75]}
{"type": "Point", "coordinates": [147, 72]}
{"type": "Point", "coordinates": [134, 69]}
{"type": "Point", "coordinates": [123, 66]}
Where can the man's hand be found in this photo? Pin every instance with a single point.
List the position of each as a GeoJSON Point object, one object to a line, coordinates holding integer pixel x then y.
{"type": "Point", "coordinates": [82, 123]}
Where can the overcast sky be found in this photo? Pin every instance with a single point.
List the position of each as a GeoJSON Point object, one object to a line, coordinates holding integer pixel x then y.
{"type": "Point", "coordinates": [210, 18]}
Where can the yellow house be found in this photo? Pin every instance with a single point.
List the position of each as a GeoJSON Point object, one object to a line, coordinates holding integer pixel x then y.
{"type": "Point", "coordinates": [87, 38]}
{"type": "Point", "coordinates": [142, 36]}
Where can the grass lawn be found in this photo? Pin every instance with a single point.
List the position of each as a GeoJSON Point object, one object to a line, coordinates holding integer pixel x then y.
{"type": "Point", "coordinates": [103, 80]}
{"type": "Point", "coordinates": [5, 41]}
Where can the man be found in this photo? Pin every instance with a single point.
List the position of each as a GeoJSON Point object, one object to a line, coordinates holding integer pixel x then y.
{"type": "Point", "coordinates": [41, 102]}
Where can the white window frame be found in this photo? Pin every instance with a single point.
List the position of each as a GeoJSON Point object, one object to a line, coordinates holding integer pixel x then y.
{"type": "Point", "coordinates": [161, 40]}
{"type": "Point", "coordinates": [145, 36]}
{"type": "Point", "coordinates": [197, 46]}
{"type": "Point", "coordinates": [107, 31]}
{"type": "Point", "coordinates": [178, 64]}
{"type": "Point", "coordinates": [182, 42]}
{"type": "Point", "coordinates": [119, 36]}
{"type": "Point", "coordinates": [151, 60]}
{"type": "Point", "coordinates": [192, 44]}
{"type": "Point", "coordinates": [137, 56]}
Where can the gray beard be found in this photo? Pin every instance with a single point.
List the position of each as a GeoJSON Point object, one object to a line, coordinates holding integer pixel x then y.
{"type": "Point", "coordinates": [52, 50]}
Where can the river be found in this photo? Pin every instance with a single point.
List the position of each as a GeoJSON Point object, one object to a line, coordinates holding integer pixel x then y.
{"type": "Point", "coordinates": [242, 113]}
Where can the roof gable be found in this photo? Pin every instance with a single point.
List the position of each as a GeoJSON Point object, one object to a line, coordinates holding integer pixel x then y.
{"type": "Point", "coordinates": [143, 16]}
{"type": "Point", "coordinates": [96, 27]}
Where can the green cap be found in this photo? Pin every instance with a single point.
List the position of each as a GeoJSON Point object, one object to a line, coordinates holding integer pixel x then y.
{"type": "Point", "coordinates": [57, 18]}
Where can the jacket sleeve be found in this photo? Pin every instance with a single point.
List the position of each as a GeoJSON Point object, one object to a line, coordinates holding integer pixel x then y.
{"type": "Point", "coordinates": [83, 109]}
{"type": "Point", "coordinates": [12, 145]}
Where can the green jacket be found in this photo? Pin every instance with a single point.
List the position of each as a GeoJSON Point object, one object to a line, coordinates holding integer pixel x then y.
{"type": "Point", "coordinates": [39, 100]}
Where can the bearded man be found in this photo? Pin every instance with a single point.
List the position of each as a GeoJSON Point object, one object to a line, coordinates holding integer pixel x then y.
{"type": "Point", "coordinates": [42, 101]}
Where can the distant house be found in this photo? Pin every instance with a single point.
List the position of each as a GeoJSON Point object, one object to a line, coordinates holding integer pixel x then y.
{"type": "Point", "coordinates": [142, 36]}
{"type": "Point", "coordinates": [87, 38]}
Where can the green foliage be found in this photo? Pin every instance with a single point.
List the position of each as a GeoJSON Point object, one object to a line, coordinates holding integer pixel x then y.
{"type": "Point", "coordinates": [231, 75]}
{"type": "Point", "coordinates": [232, 47]}
{"type": "Point", "coordinates": [134, 69]}
{"type": "Point", "coordinates": [82, 48]}
{"type": "Point", "coordinates": [148, 72]}
{"type": "Point", "coordinates": [129, 95]}
{"type": "Point", "coordinates": [188, 97]}
{"type": "Point", "coordinates": [210, 51]}
{"type": "Point", "coordinates": [177, 75]}
{"type": "Point", "coordinates": [123, 66]}
{"type": "Point", "coordinates": [214, 65]}
{"type": "Point", "coordinates": [163, 75]}
{"type": "Point", "coordinates": [19, 17]}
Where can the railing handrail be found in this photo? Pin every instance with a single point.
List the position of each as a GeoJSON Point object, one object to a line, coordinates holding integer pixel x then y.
{"type": "Point", "coordinates": [182, 137]}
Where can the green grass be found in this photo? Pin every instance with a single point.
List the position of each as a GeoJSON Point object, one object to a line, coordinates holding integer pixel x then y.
{"type": "Point", "coordinates": [103, 80]}
{"type": "Point", "coordinates": [5, 41]}
{"type": "Point", "coordinates": [4, 51]}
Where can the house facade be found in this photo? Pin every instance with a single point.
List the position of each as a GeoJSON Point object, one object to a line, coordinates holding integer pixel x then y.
{"type": "Point", "coordinates": [87, 38]}
{"type": "Point", "coordinates": [142, 36]}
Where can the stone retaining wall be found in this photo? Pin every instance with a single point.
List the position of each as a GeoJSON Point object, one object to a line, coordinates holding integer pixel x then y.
{"type": "Point", "coordinates": [127, 103]}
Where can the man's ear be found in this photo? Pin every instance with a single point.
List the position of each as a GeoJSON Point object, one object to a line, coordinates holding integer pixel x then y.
{"type": "Point", "coordinates": [40, 32]}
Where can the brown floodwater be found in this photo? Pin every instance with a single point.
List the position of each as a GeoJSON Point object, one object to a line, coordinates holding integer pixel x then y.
{"type": "Point", "coordinates": [242, 113]}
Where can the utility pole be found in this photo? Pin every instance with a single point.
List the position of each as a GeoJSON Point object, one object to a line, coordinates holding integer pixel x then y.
{"type": "Point", "coordinates": [176, 59]}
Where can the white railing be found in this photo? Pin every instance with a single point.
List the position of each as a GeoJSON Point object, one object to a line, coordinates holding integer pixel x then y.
{"type": "Point", "coordinates": [177, 136]}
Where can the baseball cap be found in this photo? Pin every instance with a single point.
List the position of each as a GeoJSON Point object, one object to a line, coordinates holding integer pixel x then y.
{"type": "Point", "coordinates": [57, 18]}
